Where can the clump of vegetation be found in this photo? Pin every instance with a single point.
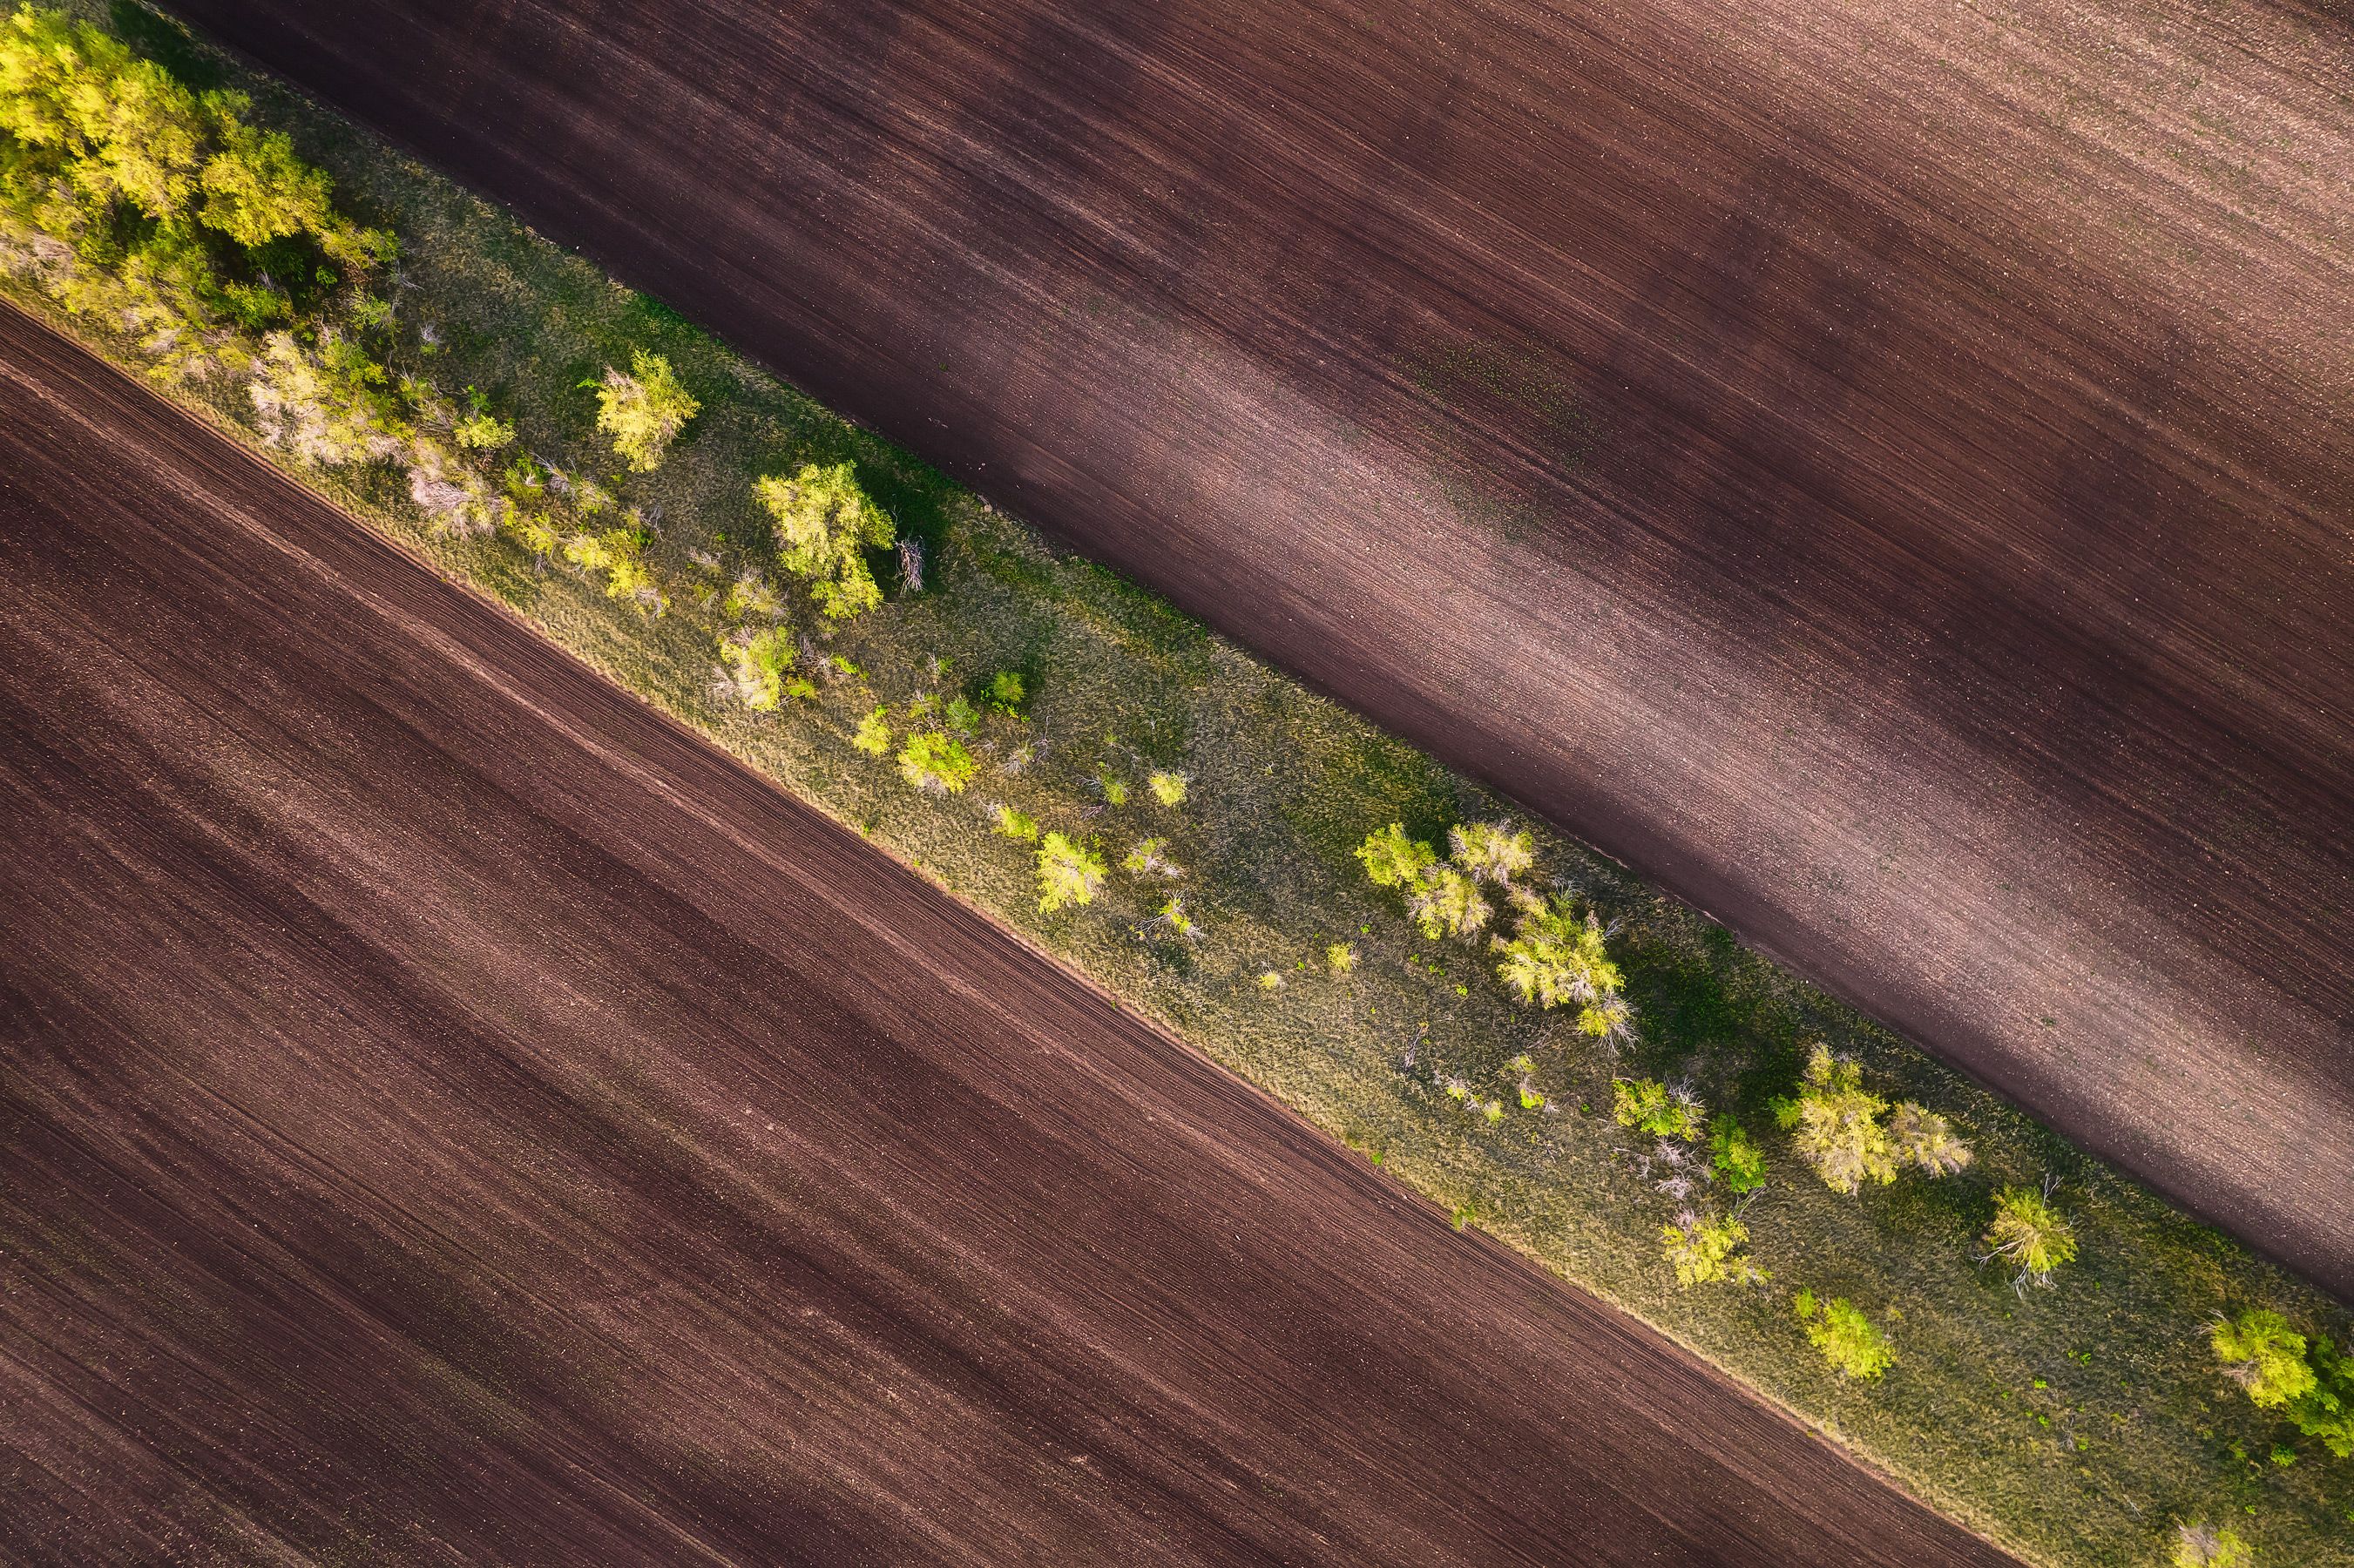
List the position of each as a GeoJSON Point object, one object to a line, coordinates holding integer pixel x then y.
{"type": "Point", "coordinates": [2311, 1384]}
{"type": "Point", "coordinates": [1556, 959]}
{"type": "Point", "coordinates": [642, 409]}
{"type": "Point", "coordinates": [1007, 692]}
{"type": "Point", "coordinates": [936, 762]}
{"type": "Point", "coordinates": [1013, 825]}
{"type": "Point", "coordinates": [1735, 1158]}
{"type": "Point", "coordinates": [1068, 873]}
{"type": "Point", "coordinates": [1493, 851]}
{"type": "Point", "coordinates": [1706, 1248]}
{"type": "Point", "coordinates": [1168, 788]}
{"type": "Point", "coordinates": [1393, 860]}
{"type": "Point", "coordinates": [1850, 1341]}
{"type": "Point", "coordinates": [1340, 958]}
{"type": "Point", "coordinates": [825, 524]}
{"type": "Point", "coordinates": [2030, 1234]}
{"type": "Point", "coordinates": [1650, 1106]}
{"type": "Point", "coordinates": [756, 664]}
{"type": "Point", "coordinates": [873, 736]}
{"type": "Point", "coordinates": [1839, 1128]}
{"type": "Point", "coordinates": [2205, 1546]}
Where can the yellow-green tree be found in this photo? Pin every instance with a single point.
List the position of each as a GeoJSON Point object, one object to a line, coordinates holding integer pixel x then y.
{"type": "Point", "coordinates": [825, 524]}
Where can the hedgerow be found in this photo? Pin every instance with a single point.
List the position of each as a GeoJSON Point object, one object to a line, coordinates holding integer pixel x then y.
{"type": "Point", "coordinates": [1472, 1018]}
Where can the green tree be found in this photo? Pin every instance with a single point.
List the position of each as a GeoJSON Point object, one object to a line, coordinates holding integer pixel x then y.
{"type": "Point", "coordinates": [1837, 1124]}
{"type": "Point", "coordinates": [1922, 1138]}
{"type": "Point", "coordinates": [1556, 959]}
{"type": "Point", "coordinates": [1168, 788]}
{"type": "Point", "coordinates": [2029, 1235]}
{"type": "Point", "coordinates": [1445, 903]}
{"type": "Point", "coordinates": [483, 431]}
{"type": "Point", "coordinates": [2264, 1355]}
{"type": "Point", "coordinates": [1069, 873]}
{"type": "Point", "coordinates": [256, 188]}
{"type": "Point", "coordinates": [643, 411]}
{"type": "Point", "coordinates": [2326, 1410]}
{"type": "Point", "coordinates": [937, 763]}
{"type": "Point", "coordinates": [1848, 1339]}
{"type": "Point", "coordinates": [873, 735]}
{"type": "Point", "coordinates": [1393, 860]}
{"type": "Point", "coordinates": [1014, 824]}
{"type": "Point", "coordinates": [1739, 1163]}
{"type": "Point", "coordinates": [825, 524]}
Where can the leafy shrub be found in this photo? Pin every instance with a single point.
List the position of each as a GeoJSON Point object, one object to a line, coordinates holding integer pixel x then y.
{"type": "Point", "coordinates": [1006, 692]}
{"type": "Point", "coordinates": [2264, 1355]}
{"type": "Point", "coordinates": [1115, 788]}
{"type": "Point", "coordinates": [936, 762]}
{"type": "Point", "coordinates": [1069, 874]}
{"type": "Point", "coordinates": [643, 410]}
{"type": "Point", "coordinates": [484, 431]}
{"type": "Point", "coordinates": [1147, 857]}
{"type": "Point", "coordinates": [2204, 1546]}
{"type": "Point", "coordinates": [1839, 1130]}
{"type": "Point", "coordinates": [1169, 789]}
{"type": "Point", "coordinates": [1491, 852]}
{"type": "Point", "coordinates": [825, 524]}
{"type": "Point", "coordinates": [1393, 860]}
{"type": "Point", "coordinates": [1445, 903]}
{"type": "Point", "coordinates": [327, 407]}
{"type": "Point", "coordinates": [1555, 958]}
{"type": "Point", "coordinates": [1340, 958]}
{"type": "Point", "coordinates": [1014, 824]}
{"type": "Point", "coordinates": [2029, 1234]}
{"type": "Point", "coordinates": [1735, 1156]}
{"type": "Point", "coordinates": [1705, 1249]}
{"type": "Point", "coordinates": [1650, 1106]}
{"type": "Point", "coordinates": [619, 554]}
{"type": "Point", "coordinates": [1848, 1339]}
{"type": "Point", "coordinates": [873, 735]}
{"type": "Point", "coordinates": [756, 663]}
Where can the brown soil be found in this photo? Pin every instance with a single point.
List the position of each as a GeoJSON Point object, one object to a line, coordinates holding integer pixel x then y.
{"type": "Point", "coordinates": [450, 1113]}
{"type": "Point", "coordinates": [1882, 471]}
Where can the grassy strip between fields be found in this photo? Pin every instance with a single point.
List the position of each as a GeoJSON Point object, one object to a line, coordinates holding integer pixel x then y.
{"type": "Point", "coordinates": [1505, 1022]}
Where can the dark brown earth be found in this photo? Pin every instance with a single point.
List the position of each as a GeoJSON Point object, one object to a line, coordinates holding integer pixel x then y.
{"type": "Point", "coordinates": [449, 1112]}
{"type": "Point", "coordinates": [1883, 471]}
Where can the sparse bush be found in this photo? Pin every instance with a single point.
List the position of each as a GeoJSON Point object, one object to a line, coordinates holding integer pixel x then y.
{"type": "Point", "coordinates": [1706, 1248]}
{"type": "Point", "coordinates": [2028, 1234]}
{"type": "Point", "coordinates": [825, 524]}
{"type": "Point", "coordinates": [1147, 857]}
{"type": "Point", "coordinates": [1269, 981]}
{"type": "Point", "coordinates": [960, 716]}
{"type": "Point", "coordinates": [1848, 1339]}
{"type": "Point", "coordinates": [1173, 914]}
{"type": "Point", "coordinates": [873, 735]}
{"type": "Point", "coordinates": [2205, 1546]}
{"type": "Point", "coordinates": [325, 407]}
{"type": "Point", "coordinates": [1115, 788]}
{"type": "Point", "coordinates": [936, 762]}
{"type": "Point", "coordinates": [619, 554]}
{"type": "Point", "coordinates": [1014, 824]}
{"type": "Point", "coordinates": [1650, 1106]}
{"type": "Point", "coordinates": [1735, 1156]}
{"type": "Point", "coordinates": [1925, 1139]}
{"type": "Point", "coordinates": [643, 410]}
{"type": "Point", "coordinates": [1340, 958]}
{"type": "Point", "coordinates": [1837, 1123]}
{"type": "Point", "coordinates": [1169, 789]}
{"type": "Point", "coordinates": [1068, 873]}
{"type": "Point", "coordinates": [1491, 852]}
{"type": "Point", "coordinates": [1007, 693]}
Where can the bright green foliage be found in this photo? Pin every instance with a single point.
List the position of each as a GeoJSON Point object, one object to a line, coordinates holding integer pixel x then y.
{"type": "Point", "coordinates": [1445, 903]}
{"type": "Point", "coordinates": [1739, 1163]}
{"type": "Point", "coordinates": [2326, 1413]}
{"type": "Point", "coordinates": [1650, 1106]}
{"type": "Point", "coordinates": [1848, 1339]}
{"type": "Point", "coordinates": [1014, 824]}
{"type": "Point", "coordinates": [1927, 1139]}
{"type": "Point", "coordinates": [1340, 958]}
{"type": "Point", "coordinates": [1491, 852]}
{"type": "Point", "coordinates": [2030, 1234]}
{"type": "Point", "coordinates": [1269, 981]}
{"type": "Point", "coordinates": [936, 762]}
{"type": "Point", "coordinates": [1173, 913]}
{"type": "Point", "coordinates": [327, 406]}
{"type": "Point", "coordinates": [1169, 789]}
{"type": "Point", "coordinates": [1006, 692]}
{"type": "Point", "coordinates": [2264, 1355]}
{"type": "Point", "coordinates": [750, 595]}
{"type": "Point", "coordinates": [1068, 873]}
{"type": "Point", "coordinates": [257, 190]}
{"type": "Point", "coordinates": [1558, 959]}
{"type": "Point", "coordinates": [619, 554]}
{"type": "Point", "coordinates": [960, 716]}
{"type": "Point", "coordinates": [1393, 860]}
{"type": "Point", "coordinates": [757, 663]}
{"type": "Point", "coordinates": [482, 432]}
{"type": "Point", "coordinates": [1705, 1249]}
{"type": "Point", "coordinates": [873, 735]}
{"type": "Point", "coordinates": [2204, 1546]}
{"type": "Point", "coordinates": [1115, 788]}
{"type": "Point", "coordinates": [1838, 1126]}
{"type": "Point", "coordinates": [825, 524]}
{"type": "Point", "coordinates": [643, 410]}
